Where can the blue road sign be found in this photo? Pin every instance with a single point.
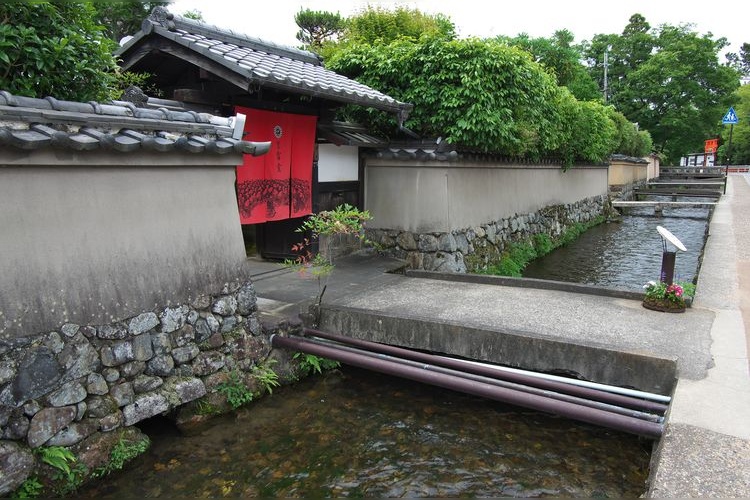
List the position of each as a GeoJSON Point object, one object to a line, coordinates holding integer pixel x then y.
{"type": "Point", "coordinates": [730, 118]}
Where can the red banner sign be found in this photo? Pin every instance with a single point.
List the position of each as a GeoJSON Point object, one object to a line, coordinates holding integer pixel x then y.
{"type": "Point", "coordinates": [277, 185]}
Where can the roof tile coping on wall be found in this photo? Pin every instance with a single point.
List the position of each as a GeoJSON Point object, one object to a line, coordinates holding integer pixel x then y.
{"type": "Point", "coordinates": [30, 123]}
{"type": "Point", "coordinates": [263, 63]}
{"type": "Point", "coordinates": [627, 159]}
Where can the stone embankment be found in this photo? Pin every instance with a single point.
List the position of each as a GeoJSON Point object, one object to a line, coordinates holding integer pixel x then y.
{"type": "Point", "coordinates": [74, 386]}
{"type": "Point", "coordinates": [474, 248]}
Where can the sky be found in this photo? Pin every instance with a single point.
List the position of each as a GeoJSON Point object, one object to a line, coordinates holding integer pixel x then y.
{"type": "Point", "coordinates": [273, 20]}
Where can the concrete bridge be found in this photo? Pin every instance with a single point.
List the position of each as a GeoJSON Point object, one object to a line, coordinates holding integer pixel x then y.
{"type": "Point", "coordinates": [699, 357]}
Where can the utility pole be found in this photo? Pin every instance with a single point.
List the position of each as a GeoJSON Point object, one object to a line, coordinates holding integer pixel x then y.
{"type": "Point", "coordinates": [606, 52]}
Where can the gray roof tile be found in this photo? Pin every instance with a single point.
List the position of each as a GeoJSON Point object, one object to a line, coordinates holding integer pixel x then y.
{"type": "Point", "coordinates": [261, 62]}
{"type": "Point", "coordinates": [29, 123]}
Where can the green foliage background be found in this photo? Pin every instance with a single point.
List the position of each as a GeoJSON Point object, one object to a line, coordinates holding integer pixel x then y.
{"type": "Point", "coordinates": [55, 50]}
{"type": "Point", "coordinates": [666, 87]}
{"type": "Point", "coordinates": [481, 95]}
{"type": "Point", "coordinates": [740, 152]}
{"type": "Point", "coordinates": [669, 80]}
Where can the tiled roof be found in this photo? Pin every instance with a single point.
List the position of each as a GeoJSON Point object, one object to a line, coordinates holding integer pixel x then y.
{"type": "Point", "coordinates": [629, 159]}
{"type": "Point", "coordinates": [30, 123]}
{"type": "Point", "coordinates": [348, 134]}
{"type": "Point", "coordinates": [262, 63]}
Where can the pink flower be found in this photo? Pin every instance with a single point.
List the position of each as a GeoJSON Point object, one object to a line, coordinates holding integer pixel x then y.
{"type": "Point", "coordinates": [675, 290]}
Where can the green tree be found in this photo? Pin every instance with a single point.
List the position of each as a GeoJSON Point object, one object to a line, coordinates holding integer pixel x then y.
{"type": "Point", "coordinates": [475, 94]}
{"type": "Point", "coordinates": [677, 93]}
{"type": "Point", "coordinates": [55, 49]}
{"type": "Point", "coordinates": [481, 95]}
{"type": "Point", "coordinates": [669, 81]}
{"type": "Point", "coordinates": [317, 27]}
{"type": "Point", "coordinates": [589, 132]}
{"type": "Point", "coordinates": [624, 53]}
{"type": "Point", "coordinates": [741, 61]}
{"type": "Point", "coordinates": [740, 153]}
{"type": "Point", "coordinates": [123, 17]}
{"type": "Point", "coordinates": [382, 26]}
{"type": "Point", "coordinates": [630, 140]}
{"type": "Point", "coordinates": [563, 58]}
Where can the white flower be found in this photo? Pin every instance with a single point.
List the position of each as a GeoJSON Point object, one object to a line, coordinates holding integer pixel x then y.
{"type": "Point", "coordinates": [649, 284]}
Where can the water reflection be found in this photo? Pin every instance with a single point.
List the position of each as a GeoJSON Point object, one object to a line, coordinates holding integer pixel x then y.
{"type": "Point", "coordinates": [627, 254]}
{"type": "Point", "coordinates": [356, 434]}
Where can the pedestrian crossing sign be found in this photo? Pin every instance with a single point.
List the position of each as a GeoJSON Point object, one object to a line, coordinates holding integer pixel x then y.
{"type": "Point", "coordinates": [730, 118]}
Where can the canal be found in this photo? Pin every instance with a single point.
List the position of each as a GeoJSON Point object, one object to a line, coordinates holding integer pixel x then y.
{"type": "Point", "coordinates": [627, 254]}
{"type": "Point", "coordinates": [353, 433]}
{"type": "Point", "coordinates": [357, 434]}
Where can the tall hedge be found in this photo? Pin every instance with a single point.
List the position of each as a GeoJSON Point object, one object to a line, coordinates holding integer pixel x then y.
{"type": "Point", "coordinates": [480, 95]}
{"type": "Point", "coordinates": [54, 49]}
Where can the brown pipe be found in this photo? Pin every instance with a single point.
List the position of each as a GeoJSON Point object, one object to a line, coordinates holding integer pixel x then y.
{"type": "Point", "coordinates": [496, 382]}
{"type": "Point", "coordinates": [552, 385]}
{"type": "Point", "coordinates": [519, 398]}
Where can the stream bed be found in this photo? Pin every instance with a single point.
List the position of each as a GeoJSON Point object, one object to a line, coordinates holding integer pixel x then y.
{"type": "Point", "coordinates": [353, 433]}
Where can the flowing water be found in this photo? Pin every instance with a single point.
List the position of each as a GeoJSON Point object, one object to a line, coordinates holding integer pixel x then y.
{"type": "Point", "coordinates": [354, 433]}
{"type": "Point", "coordinates": [627, 254]}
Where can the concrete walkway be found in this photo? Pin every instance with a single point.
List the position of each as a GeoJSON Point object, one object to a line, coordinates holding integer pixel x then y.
{"type": "Point", "coordinates": [706, 448]}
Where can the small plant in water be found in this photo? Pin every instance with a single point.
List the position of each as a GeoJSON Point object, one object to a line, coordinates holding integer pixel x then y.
{"type": "Point", "coordinates": [310, 363]}
{"type": "Point", "coordinates": [123, 452]}
{"type": "Point", "coordinates": [235, 390]}
{"type": "Point", "coordinates": [266, 377]}
{"type": "Point", "coordinates": [67, 477]}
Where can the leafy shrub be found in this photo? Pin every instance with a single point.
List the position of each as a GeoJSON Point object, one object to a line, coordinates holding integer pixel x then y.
{"type": "Point", "coordinates": [235, 390]}
{"type": "Point", "coordinates": [55, 49]}
{"type": "Point", "coordinates": [480, 95]}
{"type": "Point", "coordinates": [344, 219]}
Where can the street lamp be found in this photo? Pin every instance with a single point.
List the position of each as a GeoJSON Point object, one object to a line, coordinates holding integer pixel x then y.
{"type": "Point", "coordinates": [668, 257]}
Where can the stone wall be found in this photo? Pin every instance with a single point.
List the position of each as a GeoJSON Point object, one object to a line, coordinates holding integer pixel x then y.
{"type": "Point", "coordinates": [63, 386]}
{"type": "Point", "coordinates": [477, 246]}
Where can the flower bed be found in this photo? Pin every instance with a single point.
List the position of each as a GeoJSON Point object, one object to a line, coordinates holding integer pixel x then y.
{"type": "Point", "coordinates": [666, 298]}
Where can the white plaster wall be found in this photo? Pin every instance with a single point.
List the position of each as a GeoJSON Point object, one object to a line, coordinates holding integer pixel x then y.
{"type": "Point", "coordinates": [337, 163]}
{"type": "Point", "coordinates": [441, 196]}
{"type": "Point", "coordinates": [92, 244]}
{"type": "Point", "coordinates": [623, 172]}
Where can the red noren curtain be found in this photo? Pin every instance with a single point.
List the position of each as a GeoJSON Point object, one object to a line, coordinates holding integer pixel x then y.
{"type": "Point", "coordinates": [277, 185]}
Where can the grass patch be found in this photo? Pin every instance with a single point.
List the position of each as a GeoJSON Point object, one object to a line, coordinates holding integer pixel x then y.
{"type": "Point", "coordinates": [516, 256]}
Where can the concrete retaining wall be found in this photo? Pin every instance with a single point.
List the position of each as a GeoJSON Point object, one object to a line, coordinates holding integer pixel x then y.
{"type": "Point", "coordinates": [515, 349]}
